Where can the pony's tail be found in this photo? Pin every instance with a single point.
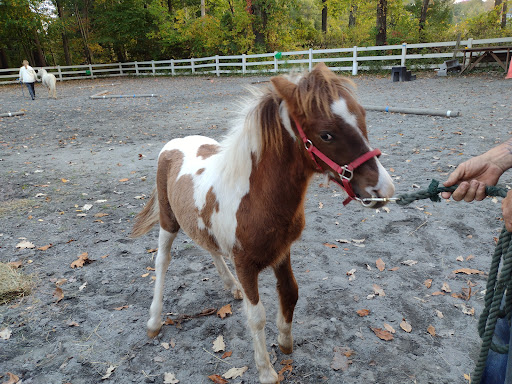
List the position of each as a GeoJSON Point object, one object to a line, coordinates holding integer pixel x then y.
{"type": "Point", "coordinates": [148, 217]}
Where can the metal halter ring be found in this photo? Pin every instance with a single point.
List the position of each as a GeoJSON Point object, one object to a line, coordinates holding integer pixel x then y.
{"type": "Point", "coordinates": [308, 144]}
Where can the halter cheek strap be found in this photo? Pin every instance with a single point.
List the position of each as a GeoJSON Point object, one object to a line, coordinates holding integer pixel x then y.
{"type": "Point", "coordinates": [346, 172]}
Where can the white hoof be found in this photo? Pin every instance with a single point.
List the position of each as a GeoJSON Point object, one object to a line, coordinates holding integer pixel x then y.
{"type": "Point", "coordinates": [268, 376]}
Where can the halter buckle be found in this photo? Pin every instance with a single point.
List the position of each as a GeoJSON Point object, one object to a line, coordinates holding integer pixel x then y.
{"type": "Point", "coordinates": [345, 170]}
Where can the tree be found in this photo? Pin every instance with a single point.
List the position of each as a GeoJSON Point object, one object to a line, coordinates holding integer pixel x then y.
{"type": "Point", "coordinates": [382, 10]}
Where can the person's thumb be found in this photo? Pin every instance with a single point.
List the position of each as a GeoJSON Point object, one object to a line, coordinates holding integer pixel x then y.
{"type": "Point", "coordinates": [454, 177]}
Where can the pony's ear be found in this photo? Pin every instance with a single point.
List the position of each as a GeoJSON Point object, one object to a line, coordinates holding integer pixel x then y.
{"type": "Point", "coordinates": [284, 88]}
{"type": "Point", "coordinates": [321, 67]}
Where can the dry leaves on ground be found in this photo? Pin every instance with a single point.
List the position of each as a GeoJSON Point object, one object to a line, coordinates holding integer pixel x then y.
{"type": "Point", "coordinates": [233, 373]}
{"type": "Point", "coordinates": [363, 312]}
{"type": "Point", "coordinates": [13, 379]}
{"type": "Point", "coordinates": [5, 334]}
{"type": "Point", "coordinates": [406, 326]}
{"type": "Point", "coordinates": [224, 311]}
{"type": "Point", "coordinates": [81, 261]}
{"type": "Point", "coordinates": [109, 372]}
{"type": "Point", "coordinates": [217, 379]}
{"type": "Point", "coordinates": [341, 359]}
{"type": "Point", "coordinates": [382, 334]}
{"type": "Point", "coordinates": [380, 264]}
{"type": "Point", "coordinates": [170, 378]}
{"type": "Point", "coordinates": [469, 271]}
{"type": "Point", "coordinates": [218, 344]}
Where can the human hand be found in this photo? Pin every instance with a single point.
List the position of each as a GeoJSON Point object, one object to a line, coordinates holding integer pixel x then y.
{"type": "Point", "coordinates": [506, 208]}
{"type": "Point", "coordinates": [473, 175]}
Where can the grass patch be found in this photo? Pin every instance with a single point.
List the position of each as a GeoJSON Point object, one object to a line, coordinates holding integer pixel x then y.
{"type": "Point", "coordinates": [15, 205]}
{"type": "Point", "coordinates": [13, 284]}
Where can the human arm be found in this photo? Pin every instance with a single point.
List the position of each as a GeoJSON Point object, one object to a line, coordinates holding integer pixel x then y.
{"type": "Point", "coordinates": [474, 174]}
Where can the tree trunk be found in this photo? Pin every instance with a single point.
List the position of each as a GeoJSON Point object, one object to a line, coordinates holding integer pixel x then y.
{"type": "Point", "coordinates": [83, 32]}
{"type": "Point", "coordinates": [352, 15]}
{"type": "Point", "coordinates": [169, 6]}
{"type": "Point", "coordinates": [65, 44]}
{"type": "Point", "coordinates": [504, 15]}
{"type": "Point", "coordinates": [423, 14]}
{"type": "Point", "coordinates": [40, 60]}
{"type": "Point", "coordinates": [324, 16]}
{"type": "Point", "coordinates": [382, 10]}
{"type": "Point", "coordinates": [203, 8]}
{"type": "Point", "coordinates": [4, 61]}
{"type": "Point", "coordinates": [259, 28]}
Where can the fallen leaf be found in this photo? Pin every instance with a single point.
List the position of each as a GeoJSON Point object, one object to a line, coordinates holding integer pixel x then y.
{"type": "Point", "coordinates": [378, 290]}
{"type": "Point", "coordinates": [363, 312]}
{"type": "Point", "coordinates": [217, 379]}
{"type": "Point", "coordinates": [380, 264]}
{"type": "Point", "coordinates": [224, 311]}
{"type": "Point", "coordinates": [82, 287]}
{"type": "Point", "coordinates": [218, 344]}
{"type": "Point", "coordinates": [409, 262]}
{"type": "Point", "coordinates": [382, 334]}
{"type": "Point", "coordinates": [81, 261]}
{"type": "Point", "coordinates": [25, 244]}
{"type": "Point", "coordinates": [13, 379]}
{"type": "Point", "coordinates": [389, 328]}
{"type": "Point", "coordinates": [459, 258]}
{"type": "Point", "coordinates": [406, 326]}
{"type": "Point", "coordinates": [427, 283]}
{"type": "Point", "coordinates": [227, 354]}
{"type": "Point", "coordinates": [109, 372]}
{"type": "Point", "coordinates": [86, 207]}
{"type": "Point", "coordinates": [465, 309]}
{"type": "Point", "coordinates": [45, 247]}
{"type": "Point", "coordinates": [169, 321]}
{"type": "Point", "coordinates": [173, 344]}
{"type": "Point", "coordinates": [165, 345]}
{"type": "Point", "coordinates": [5, 334]}
{"type": "Point", "coordinates": [64, 180]}
{"type": "Point", "coordinates": [446, 287]}
{"type": "Point", "coordinates": [439, 314]}
{"type": "Point", "coordinates": [58, 293]}
{"type": "Point", "coordinates": [100, 214]}
{"type": "Point", "coordinates": [169, 378]}
{"type": "Point", "coordinates": [330, 245]}
{"type": "Point", "coordinates": [121, 308]}
{"type": "Point", "coordinates": [280, 374]}
{"type": "Point", "coordinates": [72, 324]}
{"type": "Point", "coordinates": [233, 373]}
{"type": "Point", "coordinates": [287, 362]}
{"type": "Point", "coordinates": [124, 180]}
{"type": "Point", "coordinates": [431, 330]}
{"type": "Point", "coordinates": [15, 264]}
{"type": "Point", "coordinates": [320, 205]}
{"type": "Point", "coordinates": [394, 269]}
{"type": "Point", "coordinates": [469, 271]}
{"type": "Point", "coordinates": [351, 274]}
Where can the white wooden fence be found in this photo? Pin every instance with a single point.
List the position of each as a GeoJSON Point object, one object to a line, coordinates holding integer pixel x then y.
{"type": "Point", "coordinates": [414, 56]}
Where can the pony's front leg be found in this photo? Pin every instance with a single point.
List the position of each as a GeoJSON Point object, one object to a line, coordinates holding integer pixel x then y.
{"type": "Point", "coordinates": [288, 291]}
{"type": "Point", "coordinates": [257, 319]}
{"type": "Point", "coordinates": [163, 258]}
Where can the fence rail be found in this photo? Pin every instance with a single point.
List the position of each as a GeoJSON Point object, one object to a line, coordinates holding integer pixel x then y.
{"type": "Point", "coordinates": [355, 59]}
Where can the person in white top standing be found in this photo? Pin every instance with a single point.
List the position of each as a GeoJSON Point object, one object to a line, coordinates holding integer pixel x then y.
{"type": "Point", "coordinates": [29, 77]}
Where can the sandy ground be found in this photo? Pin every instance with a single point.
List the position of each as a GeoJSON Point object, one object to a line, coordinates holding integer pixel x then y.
{"type": "Point", "coordinates": [67, 155]}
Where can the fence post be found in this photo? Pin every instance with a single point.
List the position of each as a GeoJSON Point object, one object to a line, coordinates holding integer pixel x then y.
{"type": "Point", "coordinates": [121, 69]}
{"type": "Point", "coordinates": [244, 61]}
{"type": "Point", "coordinates": [275, 62]}
{"type": "Point", "coordinates": [136, 69]}
{"type": "Point", "coordinates": [90, 70]}
{"type": "Point", "coordinates": [217, 65]}
{"type": "Point", "coordinates": [192, 65]}
{"type": "Point", "coordinates": [172, 67]}
{"type": "Point", "coordinates": [404, 52]}
{"type": "Point", "coordinates": [59, 72]}
{"type": "Point", "coordinates": [153, 67]}
{"type": "Point", "coordinates": [470, 42]}
{"type": "Point", "coordinates": [310, 59]}
{"type": "Point", "coordinates": [354, 61]}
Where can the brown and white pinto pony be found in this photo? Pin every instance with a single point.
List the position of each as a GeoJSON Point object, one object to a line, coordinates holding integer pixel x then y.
{"type": "Point", "coordinates": [243, 198]}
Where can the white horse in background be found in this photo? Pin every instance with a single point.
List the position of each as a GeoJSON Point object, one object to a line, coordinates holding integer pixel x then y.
{"type": "Point", "coordinates": [49, 81]}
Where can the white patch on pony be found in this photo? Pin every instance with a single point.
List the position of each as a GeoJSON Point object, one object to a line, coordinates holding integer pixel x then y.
{"type": "Point", "coordinates": [285, 118]}
{"type": "Point", "coordinates": [340, 108]}
{"type": "Point", "coordinates": [384, 186]}
{"type": "Point", "coordinates": [226, 172]}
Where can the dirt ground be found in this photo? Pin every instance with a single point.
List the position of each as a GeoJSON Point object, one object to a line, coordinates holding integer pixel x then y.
{"type": "Point", "coordinates": [75, 171]}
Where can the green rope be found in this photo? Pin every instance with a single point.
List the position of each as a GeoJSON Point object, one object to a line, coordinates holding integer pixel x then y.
{"type": "Point", "coordinates": [434, 190]}
{"type": "Point", "coordinates": [496, 287]}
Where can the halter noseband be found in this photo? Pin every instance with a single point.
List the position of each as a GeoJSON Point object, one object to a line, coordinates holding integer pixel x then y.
{"type": "Point", "coordinates": [346, 172]}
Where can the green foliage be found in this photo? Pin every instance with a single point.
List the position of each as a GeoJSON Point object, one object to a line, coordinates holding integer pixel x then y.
{"type": "Point", "coordinates": [128, 30]}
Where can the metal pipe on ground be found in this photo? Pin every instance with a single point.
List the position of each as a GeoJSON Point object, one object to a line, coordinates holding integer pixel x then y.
{"type": "Point", "coordinates": [10, 114]}
{"type": "Point", "coordinates": [121, 96]}
{"type": "Point", "coordinates": [414, 111]}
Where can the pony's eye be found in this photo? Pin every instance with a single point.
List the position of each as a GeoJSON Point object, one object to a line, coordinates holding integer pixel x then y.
{"type": "Point", "coordinates": [326, 136]}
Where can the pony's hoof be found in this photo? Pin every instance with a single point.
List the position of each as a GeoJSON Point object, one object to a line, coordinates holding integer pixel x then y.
{"type": "Point", "coordinates": [237, 294]}
{"type": "Point", "coordinates": [286, 350]}
{"type": "Point", "coordinates": [153, 334]}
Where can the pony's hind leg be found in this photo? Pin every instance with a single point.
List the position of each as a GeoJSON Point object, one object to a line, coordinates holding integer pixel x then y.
{"type": "Point", "coordinates": [288, 291]}
{"type": "Point", "coordinates": [230, 282]}
{"type": "Point", "coordinates": [163, 259]}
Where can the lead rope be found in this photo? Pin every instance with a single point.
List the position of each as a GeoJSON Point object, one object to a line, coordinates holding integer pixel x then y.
{"type": "Point", "coordinates": [496, 286]}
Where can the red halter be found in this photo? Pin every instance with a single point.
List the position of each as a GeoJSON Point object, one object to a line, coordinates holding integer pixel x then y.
{"type": "Point", "coordinates": [346, 172]}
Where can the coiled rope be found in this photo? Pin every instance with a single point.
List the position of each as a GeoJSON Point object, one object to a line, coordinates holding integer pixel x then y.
{"type": "Point", "coordinates": [496, 286]}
